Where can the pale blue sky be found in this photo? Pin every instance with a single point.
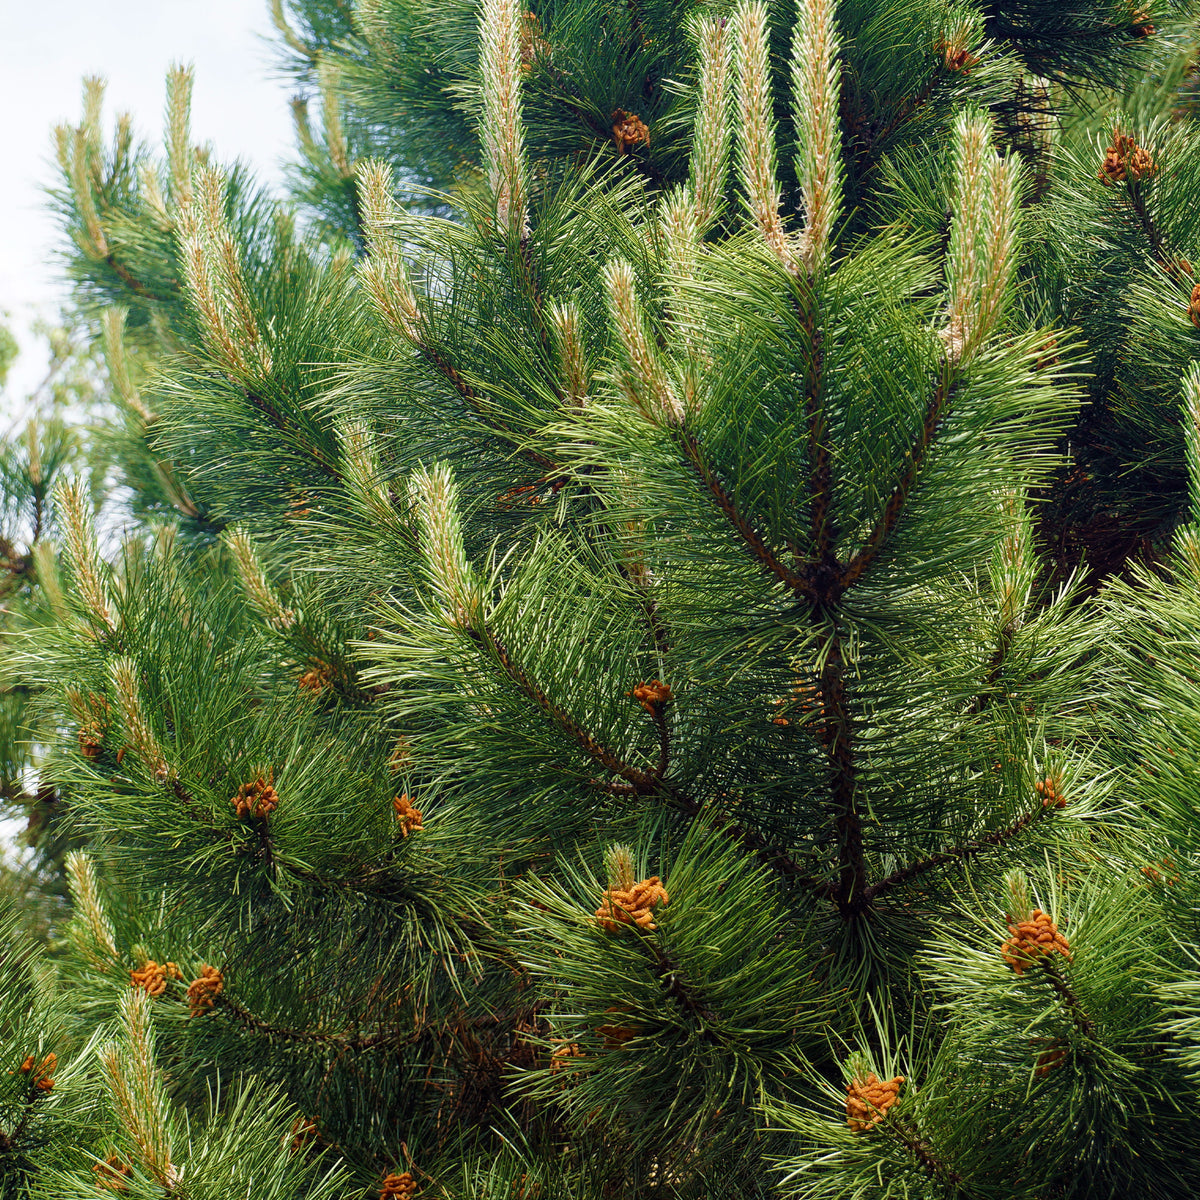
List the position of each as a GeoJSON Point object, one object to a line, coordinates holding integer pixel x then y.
{"type": "Point", "coordinates": [47, 46]}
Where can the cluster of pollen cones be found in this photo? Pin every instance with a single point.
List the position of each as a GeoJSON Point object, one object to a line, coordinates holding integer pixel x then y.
{"type": "Point", "coordinates": [1032, 939]}
{"type": "Point", "coordinates": [398, 1187]}
{"type": "Point", "coordinates": [153, 976]}
{"type": "Point", "coordinates": [868, 1100]}
{"type": "Point", "coordinates": [633, 905]}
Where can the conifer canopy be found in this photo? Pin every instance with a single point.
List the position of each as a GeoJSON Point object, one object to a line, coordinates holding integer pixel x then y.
{"type": "Point", "coordinates": [652, 648]}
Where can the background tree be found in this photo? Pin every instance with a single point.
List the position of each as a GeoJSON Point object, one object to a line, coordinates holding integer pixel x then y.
{"type": "Point", "coordinates": [591, 713]}
{"type": "Point", "coordinates": [51, 439]}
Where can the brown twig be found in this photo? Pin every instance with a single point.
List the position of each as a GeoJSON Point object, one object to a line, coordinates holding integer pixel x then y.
{"type": "Point", "coordinates": [529, 277]}
{"type": "Point", "coordinates": [957, 854]}
{"type": "Point", "coordinates": [992, 675]}
{"type": "Point", "coordinates": [1066, 994]}
{"type": "Point", "coordinates": [288, 425]}
{"type": "Point", "coordinates": [851, 893]}
{"type": "Point", "coordinates": [1158, 245]}
{"type": "Point", "coordinates": [676, 985]}
{"type": "Point", "coordinates": [127, 278]}
{"type": "Point", "coordinates": [390, 1038]}
{"type": "Point", "coordinates": [745, 530]}
{"type": "Point", "coordinates": [654, 621]}
{"type": "Point", "coordinates": [922, 1151]}
{"type": "Point", "coordinates": [659, 715]}
{"type": "Point", "coordinates": [823, 533]}
{"type": "Point", "coordinates": [640, 781]}
{"type": "Point", "coordinates": [861, 562]}
{"type": "Point", "coordinates": [479, 407]}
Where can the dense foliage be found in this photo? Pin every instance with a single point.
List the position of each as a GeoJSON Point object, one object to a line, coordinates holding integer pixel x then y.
{"type": "Point", "coordinates": [657, 656]}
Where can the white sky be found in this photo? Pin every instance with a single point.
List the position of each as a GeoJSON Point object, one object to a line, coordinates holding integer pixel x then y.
{"type": "Point", "coordinates": [47, 46]}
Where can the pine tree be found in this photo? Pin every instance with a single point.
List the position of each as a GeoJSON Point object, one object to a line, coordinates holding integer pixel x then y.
{"type": "Point", "coordinates": [607, 702]}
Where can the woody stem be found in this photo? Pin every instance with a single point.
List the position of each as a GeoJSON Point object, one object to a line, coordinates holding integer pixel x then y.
{"type": "Point", "coordinates": [1066, 994]}
{"type": "Point", "coordinates": [923, 1152]}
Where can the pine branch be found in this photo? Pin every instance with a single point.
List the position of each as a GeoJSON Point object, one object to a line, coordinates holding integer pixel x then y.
{"type": "Point", "coordinates": [182, 793]}
{"type": "Point", "coordinates": [774, 857]}
{"type": "Point", "coordinates": [820, 464]}
{"type": "Point", "coordinates": [15, 566]}
{"type": "Point", "coordinates": [390, 1038]}
{"type": "Point", "coordinates": [639, 782]}
{"type": "Point", "coordinates": [477, 404]}
{"type": "Point", "coordinates": [664, 742]}
{"type": "Point", "coordinates": [863, 136]}
{"type": "Point", "coordinates": [658, 632]}
{"type": "Point", "coordinates": [958, 854]}
{"type": "Point", "coordinates": [529, 277]}
{"type": "Point", "coordinates": [127, 278]}
{"type": "Point", "coordinates": [861, 562]}
{"type": "Point", "coordinates": [827, 581]}
{"type": "Point", "coordinates": [1066, 994]}
{"type": "Point", "coordinates": [287, 425]}
{"type": "Point", "coordinates": [1160, 250]}
{"type": "Point", "coordinates": [749, 535]}
{"type": "Point", "coordinates": [851, 893]}
{"type": "Point", "coordinates": [39, 513]}
{"type": "Point", "coordinates": [654, 620]}
{"type": "Point", "coordinates": [7, 1141]}
{"type": "Point", "coordinates": [248, 1020]}
{"type": "Point", "coordinates": [676, 985]}
{"type": "Point", "coordinates": [826, 584]}
{"type": "Point", "coordinates": [923, 1152]}
{"type": "Point", "coordinates": [994, 668]}
{"type": "Point", "coordinates": [823, 581]}
{"type": "Point", "coordinates": [1153, 235]}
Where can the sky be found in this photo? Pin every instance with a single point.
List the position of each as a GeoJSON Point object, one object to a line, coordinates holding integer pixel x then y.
{"type": "Point", "coordinates": [239, 105]}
